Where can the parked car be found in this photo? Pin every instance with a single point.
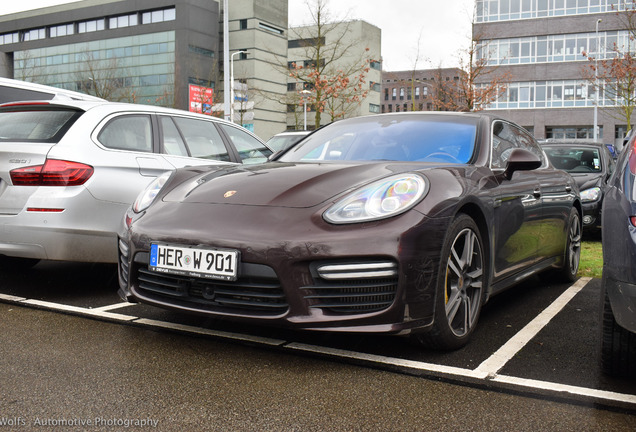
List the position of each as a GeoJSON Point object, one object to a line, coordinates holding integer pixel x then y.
{"type": "Point", "coordinates": [591, 165]}
{"type": "Point", "coordinates": [284, 140]}
{"type": "Point", "coordinates": [394, 223]}
{"type": "Point", "coordinates": [618, 292]}
{"type": "Point", "coordinates": [69, 170]}
{"type": "Point", "coordinates": [15, 90]}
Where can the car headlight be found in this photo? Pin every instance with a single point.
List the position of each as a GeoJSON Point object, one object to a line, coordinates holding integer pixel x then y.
{"type": "Point", "coordinates": [378, 200]}
{"type": "Point", "coordinates": [148, 195]}
{"type": "Point", "coordinates": [592, 194]}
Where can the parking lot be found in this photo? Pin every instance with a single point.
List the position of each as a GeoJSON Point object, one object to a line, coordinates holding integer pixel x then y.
{"type": "Point", "coordinates": [539, 339]}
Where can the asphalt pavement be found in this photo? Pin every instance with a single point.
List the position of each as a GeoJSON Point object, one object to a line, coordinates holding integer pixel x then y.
{"type": "Point", "coordinates": [66, 372]}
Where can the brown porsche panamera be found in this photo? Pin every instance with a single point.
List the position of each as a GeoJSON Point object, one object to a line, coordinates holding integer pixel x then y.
{"type": "Point", "coordinates": [394, 223]}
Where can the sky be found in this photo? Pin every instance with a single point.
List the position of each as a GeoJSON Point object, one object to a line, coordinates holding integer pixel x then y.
{"type": "Point", "coordinates": [442, 27]}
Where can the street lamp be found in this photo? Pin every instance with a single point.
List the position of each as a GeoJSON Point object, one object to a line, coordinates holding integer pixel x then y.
{"type": "Point", "coordinates": [598, 51]}
{"type": "Point", "coordinates": [305, 93]}
{"type": "Point", "coordinates": [232, 83]}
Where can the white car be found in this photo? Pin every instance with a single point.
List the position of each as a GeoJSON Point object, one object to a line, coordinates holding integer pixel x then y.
{"type": "Point", "coordinates": [15, 90]}
{"type": "Point", "coordinates": [69, 170]}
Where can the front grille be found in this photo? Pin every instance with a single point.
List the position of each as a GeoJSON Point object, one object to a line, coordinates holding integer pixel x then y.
{"type": "Point", "coordinates": [257, 291]}
{"type": "Point", "coordinates": [336, 290]}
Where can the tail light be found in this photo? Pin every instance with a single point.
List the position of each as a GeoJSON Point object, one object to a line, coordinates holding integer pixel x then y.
{"type": "Point", "coordinates": [53, 173]}
{"type": "Point", "coordinates": [632, 157]}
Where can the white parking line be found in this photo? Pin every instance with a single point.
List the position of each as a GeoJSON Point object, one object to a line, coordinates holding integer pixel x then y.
{"type": "Point", "coordinates": [486, 372]}
{"type": "Point", "coordinates": [79, 310]}
{"type": "Point", "coordinates": [114, 306]}
{"type": "Point", "coordinates": [208, 332]}
{"type": "Point", "coordinates": [493, 364]}
{"type": "Point", "coordinates": [391, 361]}
{"type": "Point", "coordinates": [580, 393]}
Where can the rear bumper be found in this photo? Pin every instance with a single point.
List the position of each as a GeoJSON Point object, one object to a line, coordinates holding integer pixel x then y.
{"type": "Point", "coordinates": [80, 229]}
{"type": "Point", "coordinates": [622, 296]}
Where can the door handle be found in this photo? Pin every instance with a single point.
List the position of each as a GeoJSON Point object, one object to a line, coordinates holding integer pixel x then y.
{"type": "Point", "coordinates": [537, 193]}
{"type": "Point", "coordinates": [568, 188]}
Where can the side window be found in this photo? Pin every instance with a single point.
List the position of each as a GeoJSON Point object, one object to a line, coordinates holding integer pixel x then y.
{"type": "Point", "coordinates": [128, 132]}
{"type": "Point", "coordinates": [526, 141]}
{"type": "Point", "coordinates": [249, 148]}
{"type": "Point", "coordinates": [172, 142]}
{"type": "Point", "coordinates": [503, 142]}
{"type": "Point", "coordinates": [202, 139]}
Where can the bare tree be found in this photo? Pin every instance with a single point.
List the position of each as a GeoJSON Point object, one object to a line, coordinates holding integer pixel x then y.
{"type": "Point", "coordinates": [334, 68]}
{"type": "Point", "coordinates": [613, 77]}
{"type": "Point", "coordinates": [479, 83]}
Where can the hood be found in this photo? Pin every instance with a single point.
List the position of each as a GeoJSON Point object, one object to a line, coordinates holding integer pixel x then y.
{"type": "Point", "coordinates": [278, 184]}
{"type": "Point", "coordinates": [587, 180]}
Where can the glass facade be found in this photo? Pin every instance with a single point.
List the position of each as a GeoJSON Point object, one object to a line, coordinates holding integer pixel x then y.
{"type": "Point", "coordinates": [551, 94]}
{"type": "Point", "coordinates": [553, 48]}
{"type": "Point", "coordinates": [505, 10]}
{"type": "Point", "coordinates": [137, 68]}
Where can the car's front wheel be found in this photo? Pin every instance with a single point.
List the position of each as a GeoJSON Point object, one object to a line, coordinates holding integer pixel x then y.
{"type": "Point", "coordinates": [460, 287]}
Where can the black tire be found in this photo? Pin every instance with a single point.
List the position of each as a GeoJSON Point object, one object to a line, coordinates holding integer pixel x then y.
{"type": "Point", "coordinates": [14, 263]}
{"type": "Point", "coordinates": [572, 256]}
{"type": "Point", "coordinates": [618, 346]}
{"type": "Point", "coordinates": [461, 286]}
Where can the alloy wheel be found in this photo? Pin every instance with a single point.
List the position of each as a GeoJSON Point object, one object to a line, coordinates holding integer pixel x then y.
{"type": "Point", "coordinates": [464, 282]}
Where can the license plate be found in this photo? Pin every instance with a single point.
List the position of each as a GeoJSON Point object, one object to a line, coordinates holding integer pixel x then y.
{"type": "Point", "coordinates": [197, 262]}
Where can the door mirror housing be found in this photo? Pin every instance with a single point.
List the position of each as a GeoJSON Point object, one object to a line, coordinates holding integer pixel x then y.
{"type": "Point", "coordinates": [521, 160]}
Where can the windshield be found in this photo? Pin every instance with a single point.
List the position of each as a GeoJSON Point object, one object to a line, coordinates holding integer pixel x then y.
{"type": "Point", "coordinates": [429, 138]}
{"type": "Point", "coordinates": [574, 159]}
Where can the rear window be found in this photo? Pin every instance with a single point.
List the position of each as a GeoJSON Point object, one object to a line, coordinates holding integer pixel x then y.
{"type": "Point", "coordinates": [35, 125]}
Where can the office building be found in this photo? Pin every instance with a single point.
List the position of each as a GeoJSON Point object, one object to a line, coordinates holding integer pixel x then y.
{"type": "Point", "coordinates": [416, 90]}
{"type": "Point", "coordinates": [543, 46]}
{"type": "Point", "coordinates": [164, 52]}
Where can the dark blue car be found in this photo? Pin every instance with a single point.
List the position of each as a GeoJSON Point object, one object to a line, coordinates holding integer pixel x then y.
{"type": "Point", "coordinates": [618, 301]}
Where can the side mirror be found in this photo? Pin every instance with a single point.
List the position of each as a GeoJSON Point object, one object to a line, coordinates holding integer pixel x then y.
{"type": "Point", "coordinates": [521, 160]}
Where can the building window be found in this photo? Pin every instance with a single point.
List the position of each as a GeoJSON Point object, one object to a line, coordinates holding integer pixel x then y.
{"type": "Point", "coordinates": [9, 38]}
{"type": "Point", "coordinates": [376, 65]}
{"type": "Point", "coordinates": [374, 108]}
{"type": "Point", "coordinates": [375, 86]}
{"type": "Point", "coordinates": [123, 21]}
{"type": "Point", "coordinates": [291, 86]}
{"type": "Point", "coordinates": [91, 26]}
{"type": "Point", "coordinates": [401, 93]}
{"type": "Point", "coordinates": [35, 34]}
{"type": "Point", "coordinates": [394, 93]}
{"type": "Point", "coordinates": [417, 92]}
{"type": "Point", "coordinates": [201, 51]}
{"type": "Point", "coordinates": [305, 43]}
{"type": "Point", "coordinates": [572, 132]}
{"type": "Point", "coordinates": [243, 24]}
{"type": "Point", "coordinates": [159, 16]}
{"type": "Point", "coordinates": [269, 28]}
{"type": "Point", "coordinates": [62, 30]}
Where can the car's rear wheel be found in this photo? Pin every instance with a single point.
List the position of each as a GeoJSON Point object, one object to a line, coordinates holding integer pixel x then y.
{"type": "Point", "coordinates": [573, 247]}
{"type": "Point", "coordinates": [460, 287]}
{"type": "Point", "coordinates": [618, 346]}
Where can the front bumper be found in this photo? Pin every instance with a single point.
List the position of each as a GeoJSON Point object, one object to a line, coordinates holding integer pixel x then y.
{"type": "Point", "coordinates": [592, 215]}
{"type": "Point", "coordinates": [304, 281]}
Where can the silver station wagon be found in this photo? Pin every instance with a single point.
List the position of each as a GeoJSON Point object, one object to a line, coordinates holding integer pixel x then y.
{"type": "Point", "coordinates": [69, 170]}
